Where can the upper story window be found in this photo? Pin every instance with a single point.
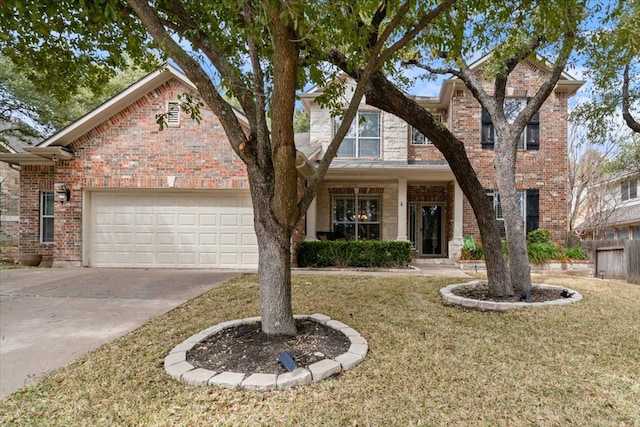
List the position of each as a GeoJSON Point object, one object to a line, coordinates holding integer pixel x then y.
{"type": "Point", "coordinates": [363, 138]}
{"type": "Point", "coordinates": [418, 138]}
{"type": "Point", "coordinates": [173, 114]}
{"type": "Point", "coordinates": [530, 136]}
{"type": "Point", "coordinates": [629, 190]}
{"type": "Point", "coordinates": [46, 216]}
{"type": "Point", "coordinates": [529, 201]}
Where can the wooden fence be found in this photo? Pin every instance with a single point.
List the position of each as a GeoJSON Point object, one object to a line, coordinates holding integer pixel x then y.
{"type": "Point", "coordinates": [615, 259]}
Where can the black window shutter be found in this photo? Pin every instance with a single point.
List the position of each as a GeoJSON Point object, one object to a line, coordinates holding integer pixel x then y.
{"type": "Point", "coordinates": [533, 209]}
{"type": "Point", "coordinates": [501, 228]}
{"type": "Point", "coordinates": [533, 131]}
{"type": "Point", "coordinates": [488, 133]}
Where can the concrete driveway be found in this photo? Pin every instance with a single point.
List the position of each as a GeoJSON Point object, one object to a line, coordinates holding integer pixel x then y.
{"type": "Point", "coordinates": [49, 317]}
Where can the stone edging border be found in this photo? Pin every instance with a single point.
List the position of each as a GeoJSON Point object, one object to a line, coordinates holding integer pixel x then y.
{"type": "Point", "coordinates": [176, 365]}
{"type": "Point", "coordinates": [450, 297]}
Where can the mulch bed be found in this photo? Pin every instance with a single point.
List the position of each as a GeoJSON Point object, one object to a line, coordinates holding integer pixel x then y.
{"type": "Point", "coordinates": [247, 349]}
{"type": "Point", "coordinates": [481, 292]}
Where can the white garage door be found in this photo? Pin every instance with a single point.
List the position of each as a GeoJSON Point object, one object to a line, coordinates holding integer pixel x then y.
{"type": "Point", "coordinates": [172, 230]}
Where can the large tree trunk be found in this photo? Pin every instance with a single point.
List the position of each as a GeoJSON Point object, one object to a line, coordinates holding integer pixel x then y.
{"type": "Point", "coordinates": [383, 94]}
{"type": "Point", "coordinates": [514, 222]}
{"type": "Point", "coordinates": [274, 264]}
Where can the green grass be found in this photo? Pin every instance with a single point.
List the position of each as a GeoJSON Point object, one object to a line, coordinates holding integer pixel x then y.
{"type": "Point", "coordinates": [429, 364]}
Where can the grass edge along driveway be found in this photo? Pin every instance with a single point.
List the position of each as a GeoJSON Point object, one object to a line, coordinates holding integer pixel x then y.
{"type": "Point", "coordinates": [429, 364]}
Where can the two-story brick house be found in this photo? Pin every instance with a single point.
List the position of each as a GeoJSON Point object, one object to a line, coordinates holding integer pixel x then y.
{"type": "Point", "coordinates": [112, 190]}
{"type": "Point", "coordinates": [389, 182]}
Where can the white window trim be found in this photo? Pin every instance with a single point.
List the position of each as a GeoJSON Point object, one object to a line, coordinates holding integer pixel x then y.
{"type": "Point", "coordinates": [43, 216]}
{"type": "Point", "coordinates": [420, 136]}
{"type": "Point", "coordinates": [358, 138]}
{"type": "Point", "coordinates": [497, 208]}
{"type": "Point", "coordinates": [173, 114]}
{"type": "Point", "coordinates": [625, 186]}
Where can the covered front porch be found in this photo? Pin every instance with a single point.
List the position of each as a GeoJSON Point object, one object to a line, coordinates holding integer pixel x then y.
{"type": "Point", "coordinates": [378, 201]}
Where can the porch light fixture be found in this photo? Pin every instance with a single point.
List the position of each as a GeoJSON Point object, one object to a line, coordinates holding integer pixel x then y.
{"type": "Point", "coordinates": [363, 217]}
{"type": "Point", "coordinates": [63, 193]}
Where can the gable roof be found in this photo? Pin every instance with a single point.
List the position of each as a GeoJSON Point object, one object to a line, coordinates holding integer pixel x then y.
{"type": "Point", "coordinates": [54, 147]}
{"type": "Point", "coordinates": [566, 83]}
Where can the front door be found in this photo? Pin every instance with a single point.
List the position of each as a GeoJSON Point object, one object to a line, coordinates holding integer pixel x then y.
{"type": "Point", "coordinates": [432, 230]}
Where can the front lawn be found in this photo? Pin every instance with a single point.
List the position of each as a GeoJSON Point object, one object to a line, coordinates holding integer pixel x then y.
{"type": "Point", "coordinates": [429, 364]}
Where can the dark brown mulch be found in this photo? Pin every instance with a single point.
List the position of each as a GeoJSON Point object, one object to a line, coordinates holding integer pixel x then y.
{"type": "Point", "coordinates": [481, 292]}
{"type": "Point", "coordinates": [247, 349]}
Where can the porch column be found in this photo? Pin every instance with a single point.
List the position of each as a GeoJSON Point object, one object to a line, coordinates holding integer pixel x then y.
{"type": "Point", "coordinates": [455, 245]}
{"type": "Point", "coordinates": [310, 232]}
{"type": "Point", "coordinates": [402, 209]}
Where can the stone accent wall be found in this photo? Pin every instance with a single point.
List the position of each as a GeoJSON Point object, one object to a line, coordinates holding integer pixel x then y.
{"type": "Point", "coordinates": [389, 202]}
{"type": "Point", "coordinates": [394, 132]}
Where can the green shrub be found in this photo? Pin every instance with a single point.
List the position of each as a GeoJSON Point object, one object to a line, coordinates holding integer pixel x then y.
{"type": "Point", "coordinates": [469, 243]}
{"type": "Point", "coordinates": [363, 253]}
{"type": "Point", "coordinates": [575, 252]}
{"type": "Point", "coordinates": [540, 253]}
{"type": "Point", "coordinates": [539, 236]}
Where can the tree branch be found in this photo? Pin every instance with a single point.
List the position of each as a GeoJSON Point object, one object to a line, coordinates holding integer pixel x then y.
{"type": "Point", "coordinates": [626, 103]}
{"type": "Point", "coordinates": [197, 75]}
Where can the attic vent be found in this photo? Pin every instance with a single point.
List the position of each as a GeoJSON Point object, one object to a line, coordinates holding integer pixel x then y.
{"type": "Point", "coordinates": [173, 114]}
{"type": "Point", "coordinates": [459, 93]}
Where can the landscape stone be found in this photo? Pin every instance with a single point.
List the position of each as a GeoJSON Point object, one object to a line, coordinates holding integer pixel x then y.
{"type": "Point", "coordinates": [348, 360]}
{"type": "Point", "coordinates": [177, 370]}
{"type": "Point", "coordinates": [173, 358]}
{"type": "Point", "coordinates": [198, 376]}
{"type": "Point", "coordinates": [336, 325]}
{"type": "Point", "coordinates": [297, 377]}
{"type": "Point", "coordinates": [324, 369]}
{"type": "Point", "coordinates": [260, 382]}
{"type": "Point", "coordinates": [230, 380]}
{"type": "Point", "coordinates": [359, 349]}
{"type": "Point", "coordinates": [320, 318]}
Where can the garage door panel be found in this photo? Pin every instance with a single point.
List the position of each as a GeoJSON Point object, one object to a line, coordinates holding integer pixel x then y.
{"type": "Point", "coordinates": [178, 230]}
{"type": "Point", "coordinates": [123, 238]}
{"type": "Point", "coordinates": [228, 239]}
{"type": "Point", "coordinates": [247, 220]}
{"type": "Point", "coordinates": [249, 240]}
{"type": "Point", "coordinates": [229, 220]}
{"type": "Point", "coordinates": [187, 220]}
{"type": "Point", "coordinates": [165, 219]}
{"type": "Point", "coordinates": [230, 258]}
{"type": "Point", "coordinates": [165, 239]}
{"type": "Point", "coordinates": [208, 220]}
{"type": "Point", "coordinates": [249, 259]}
{"type": "Point", "coordinates": [120, 218]}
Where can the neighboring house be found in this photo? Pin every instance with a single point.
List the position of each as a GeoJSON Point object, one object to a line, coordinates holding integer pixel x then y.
{"type": "Point", "coordinates": [9, 204]}
{"type": "Point", "coordinates": [613, 209]}
{"type": "Point", "coordinates": [111, 190]}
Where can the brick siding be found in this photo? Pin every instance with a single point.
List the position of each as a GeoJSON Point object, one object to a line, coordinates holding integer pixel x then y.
{"type": "Point", "coordinates": [544, 169]}
{"type": "Point", "coordinates": [128, 151]}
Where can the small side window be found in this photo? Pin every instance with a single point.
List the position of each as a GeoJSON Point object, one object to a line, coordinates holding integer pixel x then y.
{"type": "Point", "coordinates": [46, 216]}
